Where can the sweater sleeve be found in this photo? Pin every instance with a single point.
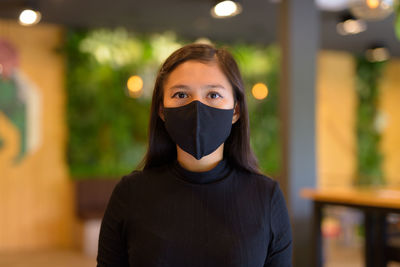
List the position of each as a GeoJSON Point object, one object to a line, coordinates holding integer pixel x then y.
{"type": "Point", "coordinates": [280, 247]}
{"type": "Point", "coordinates": [112, 249]}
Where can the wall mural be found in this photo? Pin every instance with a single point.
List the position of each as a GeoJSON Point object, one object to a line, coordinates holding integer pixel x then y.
{"type": "Point", "coordinates": [19, 104]}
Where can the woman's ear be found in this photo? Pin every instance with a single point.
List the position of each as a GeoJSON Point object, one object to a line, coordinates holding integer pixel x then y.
{"type": "Point", "coordinates": [236, 113]}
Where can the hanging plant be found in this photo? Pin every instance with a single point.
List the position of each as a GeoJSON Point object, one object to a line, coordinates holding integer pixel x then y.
{"type": "Point", "coordinates": [368, 125]}
{"type": "Point", "coordinates": [397, 20]}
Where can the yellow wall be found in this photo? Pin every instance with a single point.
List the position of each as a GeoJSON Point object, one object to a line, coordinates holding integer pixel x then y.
{"type": "Point", "coordinates": [36, 195]}
{"type": "Point", "coordinates": [336, 105]}
{"type": "Point", "coordinates": [390, 108]}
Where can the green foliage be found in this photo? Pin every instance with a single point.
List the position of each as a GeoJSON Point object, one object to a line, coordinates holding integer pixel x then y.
{"type": "Point", "coordinates": [368, 130]}
{"type": "Point", "coordinates": [262, 64]}
{"type": "Point", "coordinates": [108, 129]}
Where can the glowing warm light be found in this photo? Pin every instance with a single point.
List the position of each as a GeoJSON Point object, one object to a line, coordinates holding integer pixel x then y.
{"type": "Point", "coordinates": [378, 54]}
{"type": "Point", "coordinates": [226, 8]}
{"type": "Point", "coordinates": [373, 3]}
{"type": "Point", "coordinates": [351, 26]}
{"type": "Point", "coordinates": [332, 5]}
{"type": "Point", "coordinates": [259, 91]}
{"type": "Point", "coordinates": [135, 85]}
{"type": "Point", "coordinates": [372, 10]}
{"type": "Point", "coordinates": [29, 17]}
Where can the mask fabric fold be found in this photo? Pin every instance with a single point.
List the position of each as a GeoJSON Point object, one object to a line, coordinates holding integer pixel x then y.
{"type": "Point", "coordinates": [197, 128]}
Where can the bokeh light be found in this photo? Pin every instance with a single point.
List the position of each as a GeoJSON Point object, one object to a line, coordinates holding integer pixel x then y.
{"type": "Point", "coordinates": [373, 3]}
{"type": "Point", "coordinates": [259, 91]}
{"type": "Point", "coordinates": [29, 17]}
{"type": "Point", "coordinates": [135, 86]}
{"type": "Point", "coordinates": [351, 26]}
{"type": "Point", "coordinates": [225, 8]}
{"type": "Point", "coordinates": [377, 54]}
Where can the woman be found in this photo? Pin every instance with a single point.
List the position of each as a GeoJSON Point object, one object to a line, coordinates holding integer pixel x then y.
{"type": "Point", "coordinates": [200, 199]}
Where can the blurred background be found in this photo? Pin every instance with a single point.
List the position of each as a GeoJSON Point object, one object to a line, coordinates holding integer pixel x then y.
{"type": "Point", "coordinates": [76, 77]}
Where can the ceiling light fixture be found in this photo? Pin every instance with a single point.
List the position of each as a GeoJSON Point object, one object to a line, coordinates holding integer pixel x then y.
{"type": "Point", "coordinates": [372, 9]}
{"type": "Point", "coordinates": [329, 5]}
{"type": "Point", "coordinates": [377, 53]}
{"type": "Point", "coordinates": [349, 25]}
{"type": "Point", "coordinates": [29, 14]}
{"type": "Point", "coordinates": [29, 17]}
{"type": "Point", "coordinates": [226, 8]}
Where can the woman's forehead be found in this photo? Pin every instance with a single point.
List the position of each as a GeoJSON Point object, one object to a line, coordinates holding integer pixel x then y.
{"type": "Point", "coordinates": [208, 74]}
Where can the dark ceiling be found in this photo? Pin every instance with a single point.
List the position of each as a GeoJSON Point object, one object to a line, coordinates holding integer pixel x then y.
{"type": "Point", "coordinates": [191, 19]}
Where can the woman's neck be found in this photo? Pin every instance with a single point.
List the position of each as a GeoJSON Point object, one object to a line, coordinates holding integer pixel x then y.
{"type": "Point", "coordinates": [204, 164]}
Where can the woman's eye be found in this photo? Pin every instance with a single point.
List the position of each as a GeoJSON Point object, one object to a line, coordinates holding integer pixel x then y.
{"type": "Point", "coordinates": [180, 95]}
{"type": "Point", "coordinates": [214, 95]}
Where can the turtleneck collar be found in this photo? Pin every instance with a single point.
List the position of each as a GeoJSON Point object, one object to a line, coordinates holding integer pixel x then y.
{"type": "Point", "coordinates": [217, 173]}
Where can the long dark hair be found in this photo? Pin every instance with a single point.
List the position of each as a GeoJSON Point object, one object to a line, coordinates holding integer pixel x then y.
{"type": "Point", "coordinates": [161, 149]}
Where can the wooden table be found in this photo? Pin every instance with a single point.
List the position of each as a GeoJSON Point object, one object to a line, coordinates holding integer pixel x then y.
{"type": "Point", "coordinates": [375, 204]}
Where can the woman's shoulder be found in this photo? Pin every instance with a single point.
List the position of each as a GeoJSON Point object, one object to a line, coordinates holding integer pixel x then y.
{"type": "Point", "coordinates": [136, 182]}
{"type": "Point", "coordinates": [259, 177]}
{"type": "Point", "coordinates": [136, 176]}
{"type": "Point", "coordinates": [260, 182]}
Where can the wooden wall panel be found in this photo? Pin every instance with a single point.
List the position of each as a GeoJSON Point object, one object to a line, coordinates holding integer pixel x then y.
{"type": "Point", "coordinates": [390, 121]}
{"type": "Point", "coordinates": [336, 107]}
{"type": "Point", "coordinates": [36, 194]}
{"type": "Point", "coordinates": [336, 104]}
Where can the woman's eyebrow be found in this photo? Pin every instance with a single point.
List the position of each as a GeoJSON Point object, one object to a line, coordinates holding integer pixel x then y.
{"type": "Point", "coordinates": [214, 86]}
{"type": "Point", "coordinates": [186, 87]}
{"type": "Point", "coordinates": [179, 86]}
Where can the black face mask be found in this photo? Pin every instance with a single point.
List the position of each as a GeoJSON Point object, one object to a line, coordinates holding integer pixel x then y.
{"type": "Point", "coordinates": [197, 128]}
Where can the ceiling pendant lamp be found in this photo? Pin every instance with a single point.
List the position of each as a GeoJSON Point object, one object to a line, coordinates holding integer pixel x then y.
{"type": "Point", "coordinates": [377, 53]}
{"type": "Point", "coordinates": [29, 17]}
{"type": "Point", "coordinates": [372, 9]}
{"type": "Point", "coordinates": [226, 8]}
{"type": "Point", "coordinates": [349, 25]}
{"type": "Point", "coordinates": [30, 14]}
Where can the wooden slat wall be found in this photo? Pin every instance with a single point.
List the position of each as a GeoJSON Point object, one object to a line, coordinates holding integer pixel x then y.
{"type": "Point", "coordinates": [336, 107]}
{"type": "Point", "coordinates": [390, 106]}
{"type": "Point", "coordinates": [336, 104]}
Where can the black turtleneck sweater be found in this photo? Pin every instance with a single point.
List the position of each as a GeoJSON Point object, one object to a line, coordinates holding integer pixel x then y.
{"type": "Point", "coordinates": [170, 216]}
